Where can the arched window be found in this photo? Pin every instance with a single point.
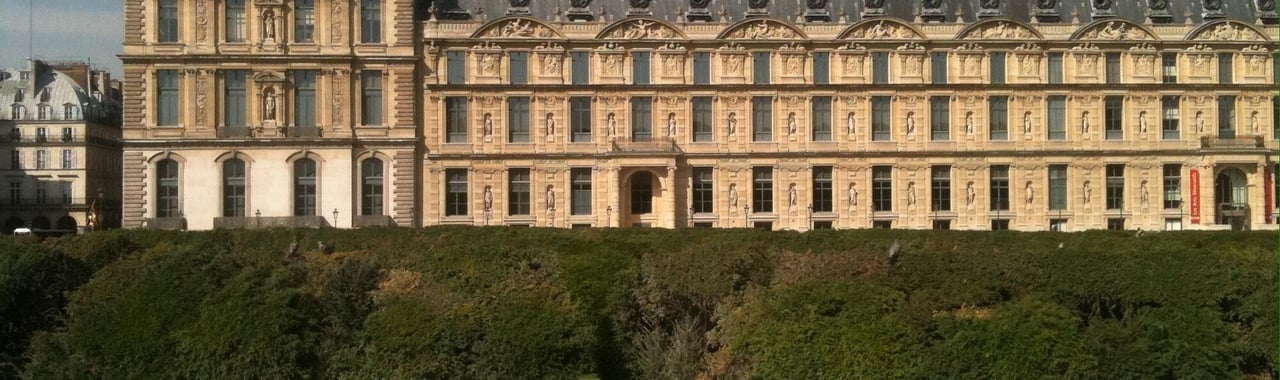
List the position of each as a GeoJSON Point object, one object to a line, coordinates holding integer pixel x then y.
{"type": "Point", "coordinates": [641, 193]}
{"type": "Point", "coordinates": [167, 192]}
{"type": "Point", "coordinates": [371, 187]}
{"type": "Point", "coordinates": [233, 179]}
{"type": "Point", "coordinates": [304, 187]}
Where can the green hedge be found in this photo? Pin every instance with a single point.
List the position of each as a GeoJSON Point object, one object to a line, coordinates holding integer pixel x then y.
{"type": "Point", "coordinates": [502, 303]}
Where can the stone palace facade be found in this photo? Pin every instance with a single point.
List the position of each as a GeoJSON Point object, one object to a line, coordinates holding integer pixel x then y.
{"type": "Point", "coordinates": [367, 112]}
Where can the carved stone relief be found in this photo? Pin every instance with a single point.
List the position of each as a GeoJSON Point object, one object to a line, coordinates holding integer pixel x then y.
{"type": "Point", "coordinates": [884, 30]}
{"type": "Point", "coordinates": [642, 29]}
{"type": "Point", "coordinates": [762, 30]}
{"type": "Point", "coordinates": [1000, 30]}
{"type": "Point", "coordinates": [1116, 31]}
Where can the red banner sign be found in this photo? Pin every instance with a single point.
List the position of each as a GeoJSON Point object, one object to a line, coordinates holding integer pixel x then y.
{"type": "Point", "coordinates": [1195, 196]}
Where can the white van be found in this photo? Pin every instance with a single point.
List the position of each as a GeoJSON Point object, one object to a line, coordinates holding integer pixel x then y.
{"type": "Point", "coordinates": [22, 231]}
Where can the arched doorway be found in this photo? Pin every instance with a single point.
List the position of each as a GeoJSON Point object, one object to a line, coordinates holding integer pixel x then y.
{"type": "Point", "coordinates": [13, 223]}
{"type": "Point", "coordinates": [66, 224]}
{"type": "Point", "coordinates": [640, 194]}
{"type": "Point", "coordinates": [40, 223]}
{"type": "Point", "coordinates": [1231, 198]}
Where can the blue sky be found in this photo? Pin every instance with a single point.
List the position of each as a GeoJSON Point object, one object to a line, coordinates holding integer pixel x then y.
{"type": "Point", "coordinates": [64, 29]}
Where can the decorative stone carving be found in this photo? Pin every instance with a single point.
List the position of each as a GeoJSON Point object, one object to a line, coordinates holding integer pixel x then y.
{"type": "Point", "coordinates": [335, 28]}
{"type": "Point", "coordinates": [911, 194]}
{"type": "Point", "coordinates": [911, 122]}
{"type": "Point", "coordinates": [733, 64]}
{"type": "Point", "coordinates": [1228, 31]}
{"type": "Point", "coordinates": [268, 104]}
{"type": "Point", "coordinates": [337, 78]}
{"type": "Point", "coordinates": [1116, 31]}
{"type": "Point", "coordinates": [1000, 30]}
{"type": "Point", "coordinates": [641, 29]}
{"type": "Point", "coordinates": [794, 64]}
{"type": "Point", "coordinates": [733, 123]}
{"type": "Point", "coordinates": [268, 25]}
{"type": "Point", "coordinates": [202, 20]}
{"type": "Point", "coordinates": [673, 65]}
{"type": "Point", "coordinates": [1088, 192]}
{"type": "Point", "coordinates": [518, 28]}
{"type": "Point", "coordinates": [202, 96]}
{"type": "Point", "coordinates": [1086, 59]}
{"type": "Point", "coordinates": [1047, 11]}
{"type": "Point", "coordinates": [883, 30]}
{"type": "Point", "coordinates": [763, 30]}
{"type": "Point", "coordinates": [612, 64]}
{"type": "Point", "coordinates": [733, 196]}
{"type": "Point", "coordinates": [551, 64]}
{"type": "Point", "coordinates": [850, 124]}
{"type": "Point", "coordinates": [550, 124]}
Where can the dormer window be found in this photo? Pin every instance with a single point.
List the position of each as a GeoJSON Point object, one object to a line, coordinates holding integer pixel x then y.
{"type": "Point", "coordinates": [44, 112]}
{"type": "Point", "coordinates": [18, 112]}
{"type": "Point", "coordinates": [17, 96]}
{"type": "Point", "coordinates": [69, 112]}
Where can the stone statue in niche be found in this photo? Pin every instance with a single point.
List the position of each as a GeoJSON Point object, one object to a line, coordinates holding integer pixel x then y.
{"type": "Point", "coordinates": [488, 124]}
{"type": "Point", "coordinates": [268, 25]}
{"type": "Point", "coordinates": [488, 198]}
{"type": "Point", "coordinates": [269, 104]}
{"type": "Point", "coordinates": [791, 197]}
{"type": "Point", "coordinates": [850, 124]}
{"type": "Point", "coordinates": [911, 194]}
{"type": "Point", "coordinates": [1253, 122]}
{"type": "Point", "coordinates": [1143, 193]}
{"type": "Point", "coordinates": [551, 124]}
{"type": "Point", "coordinates": [791, 124]}
{"type": "Point", "coordinates": [551, 197]}
{"type": "Point", "coordinates": [613, 124]}
{"type": "Point", "coordinates": [672, 64]}
{"type": "Point", "coordinates": [733, 123]}
{"type": "Point", "coordinates": [1088, 191]}
{"type": "Point", "coordinates": [1030, 193]}
{"type": "Point", "coordinates": [733, 196]}
{"type": "Point", "coordinates": [1142, 122]}
{"type": "Point", "coordinates": [968, 123]}
{"type": "Point", "coordinates": [853, 195]}
{"type": "Point", "coordinates": [911, 122]}
{"type": "Point", "coordinates": [1199, 121]}
{"type": "Point", "coordinates": [1084, 122]}
{"type": "Point", "coordinates": [671, 124]}
{"type": "Point", "coordinates": [970, 195]}
{"type": "Point", "coordinates": [1026, 123]}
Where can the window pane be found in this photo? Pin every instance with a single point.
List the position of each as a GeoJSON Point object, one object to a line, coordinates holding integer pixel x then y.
{"type": "Point", "coordinates": [455, 192]}
{"type": "Point", "coordinates": [1057, 187]}
{"type": "Point", "coordinates": [519, 67]}
{"type": "Point", "coordinates": [642, 193]}
{"type": "Point", "coordinates": [999, 188]}
{"type": "Point", "coordinates": [821, 68]}
{"type": "Point", "coordinates": [304, 187]}
{"type": "Point", "coordinates": [167, 97]}
{"type": "Point", "coordinates": [997, 68]}
{"type": "Point", "coordinates": [823, 189]}
{"type": "Point", "coordinates": [641, 118]}
{"type": "Point", "coordinates": [1169, 67]}
{"type": "Point", "coordinates": [762, 189]}
{"type": "Point", "coordinates": [581, 66]}
{"type": "Point", "coordinates": [940, 188]}
{"type": "Point", "coordinates": [1172, 186]}
{"type": "Point", "coordinates": [998, 117]}
{"type": "Point", "coordinates": [762, 118]}
{"type": "Point", "coordinates": [703, 191]}
{"type": "Point", "coordinates": [234, 110]}
{"type": "Point", "coordinates": [456, 62]}
{"type": "Point", "coordinates": [580, 118]}
{"type": "Point", "coordinates": [371, 187]}
{"type": "Point", "coordinates": [1115, 187]}
{"type": "Point", "coordinates": [881, 188]}
{"type": "Point", "coordinates": [455, 108]}
{"type": "Point", "coordinates": [1057, 117]}
{"type": "Point", "coordinates": [1114, 117]}
{"type": "Point", "coordinates": [304, 20]}
{"type": "Point", "coordinates": [1055, 68]}
{"type": "Point", "coordinates": [1225, 68]}
{"type": "Point", "coordinates": [701, 68]}
{"type": "Point", "coordinates": [940, 118]}
{"type": "Point", "coordinates": [371, 21]}
{"type": "Point", "coordinates": [234, 17]}
{"type": "Point", "coordinates": [168, 21]}
{"type": "Point", "coordinates": [880, 68]}
{"type": "Point", "coordinates": [519, 192]}
{"type": "Point", "coordinates": [167, 194]}
{"type": "Point", "coordinates": [1169, 117]}
{"type": "Point", "coordinates": [938, 66]}
{"type": "Point", "coordinates": [821, 118]}
{"type": "Point", "coordinates": [880, 118]}
{"type": "Point", "coordinates": [580, 200]}
{"type": "Point", "coordinates": [304, 95]}
{"type": "Point", "coordinates": [640, 67]}
{"type": "Point", "coordinates": [371, 90]}
{"type": "Point", "coordinates": [518, 119]}
{"type": "Point", "coordinates": [1227, 117]}
{"type": "Point", "coordinates": [1113, 68]}
{"type": "Point", "coordinates": [233, 184]}
{"type": "Point", "coordinates": [760, 65]}
{"type": "Point", "coordinates": [702, 119]}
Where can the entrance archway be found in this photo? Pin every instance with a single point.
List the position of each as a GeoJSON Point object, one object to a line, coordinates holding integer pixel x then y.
{"type": "Point", "coordinates": [1231, 198]}
{"type": "Point", "coordinates": [642, 193]}
{"type": "Point", "coordinates": [66, 224]}
{"type": "Point", "coordinates": [13, 223]}
{"type": "Point", "coordinates": [40, 223]}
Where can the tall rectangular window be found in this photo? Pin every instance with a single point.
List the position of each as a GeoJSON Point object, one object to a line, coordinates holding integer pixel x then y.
{"type": "Point", "coordinates": [1057, 113]}
{"type": "Point", "coordinates": [640, 67]}
{"type": "Point", "coordinates": [167, 25]}
{"type": "Point", "coordinates": [1227, 116]}
{"type": "Point", "coordinates": [234, 17]}
{"type": "Point", "coordinates": [881, 129]}
{"type": "Point", "coordinates": [304, 98]}
{"type": "Point", "coordinates": [580, 67]}
{"type": "Point", "coordinates": [167, 97]}
{"type": "Point", "coordinates": [938, 67]}
{"type": "Point", "coordinates": [234, 85]}
{"type": "Point", "coordinates": [518, 67]}
{"type": "Point", "coordinates": [880, 68]}
{"type": "Point", "coordinates": [371, 21]}
{"type": "Point", "coordinates": [15, 192]}
{"type": "Point", "coordinates": [1172, 186]}
{"type": "Point", "coordinates": [998, 117]}
{"type": "Point", "coordinates": [1114, 117]}
{"type": "Point", "coordinates": [762, 189]}
{"type": "Point", "coordinates": [371, 192]}
{"type": "Point", "coordinates": [823, 189]}
{"type": "Point", "coordinates": [1113, 68]}
{"type": "Point", "coordinates": [1055, 68]}
{"type": "Point", "coordinates": [580, 119]}
{"type": "Point", "coordinates": [820, 118]}
{"type": "Point", "coordinates": [881, 188]}
{"type": "Point", "coordinates": [371, 97]}
{"type": "Point", "coordinates": [821, 68]}
{"type": "Point", "coordinates": [940, 118]}
{"type": "Point", "coordinates": [997, 67]}
{"type": "Point", "coordinates": [456, 63]}
{"type": "Point", "coordinates": [233, 194]}
{"type": "Point", "coordinates": [999, 187]}
{"type": "Point", "coordinates": [760, 67]}
{"type": "Point", "coordinates": [762, 118]}
{"type": "Point", "coordinates": [455, 199]}
{"type": "Point", "coordinates": [304, 188]}
{"type": "Point", "coordinates": [67, 193]}
{"type": "Point", "coordinates": [1169, 115]}
{"type": "Point", "coordinates": [68, 159]}
{"type": "Point", "coordinates": [1169, 67]}
{"type": "Point", "coordinates": [1057, 187]}
{"type": "Point", "coordinates": [701, 68]}
{"type": "Point", "coordinates": [580, 186]}
{"type": "Point", "coordinates": [1115, 187]}
{"type": "Point", "coordinates": [455, 119]}
{"type": "Point", "coordinates": [1275, 119]}
{"type": "Point", "coordinates": [704, 198]}
{"type": "Point", "coordinates": [519, 192]}
{"type": "Point", "coordinates": [518, 119]}
{"type": "Point", "coordinates": [703, 127]}
{"type": "Point", "coordinates": [940, 188]}
{"type": "Point", "coordinates": [42, 159]}
{"type": "Point", "coordinates": [641, 118]}
{"type": "Point", "coordinates": [1225, 68]}
{"type": "Point", "coordinates": [304, 20]}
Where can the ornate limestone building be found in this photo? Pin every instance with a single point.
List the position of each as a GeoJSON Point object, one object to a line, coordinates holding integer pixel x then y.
{"type": "Point", "coordinates": [856, 114]}
{"type": "Point", "coordinates": [60, 140]}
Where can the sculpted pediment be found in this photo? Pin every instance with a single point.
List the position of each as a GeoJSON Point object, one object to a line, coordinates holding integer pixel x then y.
{"type": "Point", "coordinates": [1228, 31]}
{"type": "Point", "coordinates": [882, 29]}
{"type": "Point", "coordinates": [762, 29]}
{"type": "Point", "coordinates": [268, 76]}
{"type": "Point", "coordinates": [1114, 30]}
{"type": "Point", "coordinates": [640, 29]}
{"type": "Point", "coordinates": [516, 27]}
{"type": "Point", "coordinates": [999, 30]}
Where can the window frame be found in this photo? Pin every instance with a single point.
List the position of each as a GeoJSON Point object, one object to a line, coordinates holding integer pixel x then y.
{"type": "Point", "coordinates": [456, 120]}
{"type": "Point", "coordinates": [519, 120]}
{"type": "Point", "coordinates": [1113, 117]}
{"type": "Point", "coordinates": [823, 189]}
{"type": "Point", "coordinates": [998, 118]}
{"type": "Point", "coordinates": [1056, 112]}
{"type": "Point", "coordinates": [234, 184]}
{"type": "Point", "coordinates": [820, 122]}
{"type": "Point", "coordinates": [1170, 115]}
{"type": "Point", "coordinates": [940, 188]}
{"type": "Point", "coordinates": [580, 119]}
{"type": "Point", "coordinates": [940, 118]}
{"type": "Point", "coordinates": [821, 68]}
{"type": "Point", "coordinates": [1115, 182]}
{"type": "Point", "coordinates": [519, 192]}
{"type": "Point", "coordinates": [372, 186]}
{"type": "Point", "coordinates": [370, 21]}
{"type": "Point", "coordinates": [1171, 182]}
{"type": "Point", "coordinates": [761, 119]}
{"type": "Point", "coordinates": [762, 189]}
{"type": "Point", "coordinates": [881, 118]}
{"type": "Point", "coordinates": [580, 191]}
{"type": "Point", "coordinates": [304, 21]}
{"type": "Point", "coordinates": [1058, 177]}
{"type": "Point", "coordinates": [1000, 186]}
{"type": "Point", "coordinates": [371, 98]}
{"type": "Point", "coordinates": [882, 189]}
{"type": "Point", "coordinates": [703, 118]}
{"type": "Point", "coordinates": [703, 190]}
{"type": "Point", "coordinates": [456, 192]}
{"type": "Point", "coordinates": [306, 196]}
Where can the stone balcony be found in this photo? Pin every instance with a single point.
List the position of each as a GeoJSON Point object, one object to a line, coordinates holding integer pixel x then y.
{"type": "Point", "coordinates": [645, 145]}
{"type": "Point", "coordinates": [1237, 143]}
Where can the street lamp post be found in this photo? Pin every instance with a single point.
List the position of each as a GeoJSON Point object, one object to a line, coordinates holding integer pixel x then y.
{"type": "Point", "coordinates": [335, 218]}
{"type": "Point", "coordinates": [257, 218]}
{"type": "Point", "coordinates": [746, 216]}
{"type": "Point", "coordinates": [608, 216]}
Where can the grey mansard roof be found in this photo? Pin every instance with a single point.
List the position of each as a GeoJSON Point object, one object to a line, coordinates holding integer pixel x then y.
{"type": "Point", "coordinates": [735, 10]}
